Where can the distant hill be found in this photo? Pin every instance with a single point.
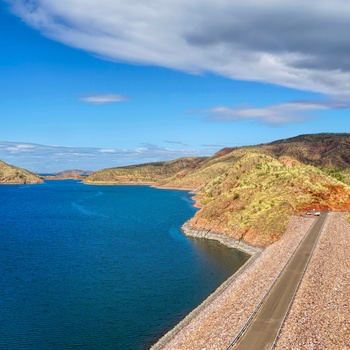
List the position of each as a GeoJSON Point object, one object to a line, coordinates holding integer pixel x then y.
{"type": "Point", "coordinates": [69, 174]}
{"type": "Point", "coordinates": [10, 174]}
{"type": "Point", "coordinates": [331, 151]}
{"type": "Point", "coordinates": [250, 192]}
{"type": "Point", "coordinates": [74, 171]}
{"type": "Point", "coordinates": [150, 173]}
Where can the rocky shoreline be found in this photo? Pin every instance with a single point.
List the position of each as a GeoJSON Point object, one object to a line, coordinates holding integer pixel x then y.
{"type": "Point", "coordinates": [225, 240]}
{"type": "Point", "coordinates": [215, 323]}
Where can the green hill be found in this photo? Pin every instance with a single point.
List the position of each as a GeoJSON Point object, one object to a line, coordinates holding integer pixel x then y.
{"type": "Point", "coordinates": [10, 174]}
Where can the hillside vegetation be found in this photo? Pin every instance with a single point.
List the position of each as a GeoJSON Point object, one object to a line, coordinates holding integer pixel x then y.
{"type": "Point", "coordinates": [250, 192]}
{"type": "Point", "coordinates": [150, 173]}
{"type": "Point", "coordinates": [10, 174]}
{"type": "Point", "coordinates": [255, 198]}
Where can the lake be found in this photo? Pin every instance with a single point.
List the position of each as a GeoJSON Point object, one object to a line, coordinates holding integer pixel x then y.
{"type": "Point", "coordinates": [100, 267]}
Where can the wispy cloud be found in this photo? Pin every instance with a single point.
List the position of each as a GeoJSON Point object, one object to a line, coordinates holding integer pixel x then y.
{"type": "Point", "coordinates": [103, 99]}
{"type": "Point", "coordinates": [43, 158]}
{"type": "Point", "coordinates": [177, 143]}
{"type": "Point", "coordinates": [108, 150]}
{"type": "Point", "coordinates": [213, 145]}
{"type": "Point", "coordinates": [19, 148]}
{"type": "Point", "coordinates": [284, 113]}
{"type": "Point", "coordinates": [295, 43]}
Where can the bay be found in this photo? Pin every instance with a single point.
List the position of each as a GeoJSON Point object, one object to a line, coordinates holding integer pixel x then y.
{"type": "Point", "coordinates": [100, 267]}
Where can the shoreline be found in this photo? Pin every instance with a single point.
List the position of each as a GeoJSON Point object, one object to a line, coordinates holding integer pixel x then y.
{"type": "Point", "coordinates": [229, 242]}
{"type": "Point", "coordinates": [224, 240]}
{"type": "Point", "coordinates": [172, 333]}
{"type": "Point", "coordinates": [20, 183]}
{"type": "Point", "coordinates": [150, 184]}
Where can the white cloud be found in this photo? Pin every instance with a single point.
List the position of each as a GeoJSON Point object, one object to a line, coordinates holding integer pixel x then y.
{"type": "Point", "coordinates": [20, 148]}
{"type": "Point", "coordinates": [103, 99]}
{"type": "Point", "coordinates": [295, 43]}
{"type": "Point", "coordinates": [44, 158]}
{"type": "Point", "coordinates": [108, 150]}
{"type": "Point", "coordinates": [284, 113]}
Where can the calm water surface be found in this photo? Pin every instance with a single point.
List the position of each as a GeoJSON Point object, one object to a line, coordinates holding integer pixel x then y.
{"type": "Point", "coordinates": [100, 267]}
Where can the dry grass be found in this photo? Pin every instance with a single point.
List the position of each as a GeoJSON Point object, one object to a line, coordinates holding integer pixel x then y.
{"type": "Point", "coordinates": [255, 198]}
{"type": "Point", "coordinates": [14, 175]}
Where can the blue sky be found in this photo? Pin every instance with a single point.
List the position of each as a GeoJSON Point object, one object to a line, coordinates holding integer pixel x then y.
{"type": "Point", "coordinates": [93, 84]}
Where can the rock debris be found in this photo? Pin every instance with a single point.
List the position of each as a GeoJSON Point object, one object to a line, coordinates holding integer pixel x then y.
{"type": "Point", "coordinates": [320, 314]}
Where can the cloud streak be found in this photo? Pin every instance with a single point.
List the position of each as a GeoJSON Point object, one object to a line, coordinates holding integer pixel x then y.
{"type": "Point", "coordinates": [103, 99]}
{"type": "Point", "coordinates": [176, 143]}
{"type": "Point", "coordinates": [291, 43]}
{"type": "Point", "coordinates": [284, 113]}
{"type": "Point", "coordinates": [43, 158]}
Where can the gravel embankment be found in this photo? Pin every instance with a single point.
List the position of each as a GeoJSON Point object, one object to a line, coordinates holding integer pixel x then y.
{"type": "Point", "coordinates": [320, 314]}
{"type": "Point", "coordinates": [215, 324]}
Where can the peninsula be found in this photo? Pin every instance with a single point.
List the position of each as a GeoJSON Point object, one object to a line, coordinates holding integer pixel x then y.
{"type": "Point", "coordinates": [10, 174]}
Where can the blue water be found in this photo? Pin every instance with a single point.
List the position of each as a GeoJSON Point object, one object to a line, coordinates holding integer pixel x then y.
{"type": "Point", "coordinates": [100, 267]}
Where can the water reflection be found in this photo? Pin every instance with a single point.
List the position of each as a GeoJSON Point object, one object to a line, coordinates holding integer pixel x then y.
{"type": "Point", "coordinates": [228, 259]}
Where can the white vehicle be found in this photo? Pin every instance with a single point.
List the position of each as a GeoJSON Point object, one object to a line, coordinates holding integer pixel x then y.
{"type": "Point", "coordinates": [317, 213]}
